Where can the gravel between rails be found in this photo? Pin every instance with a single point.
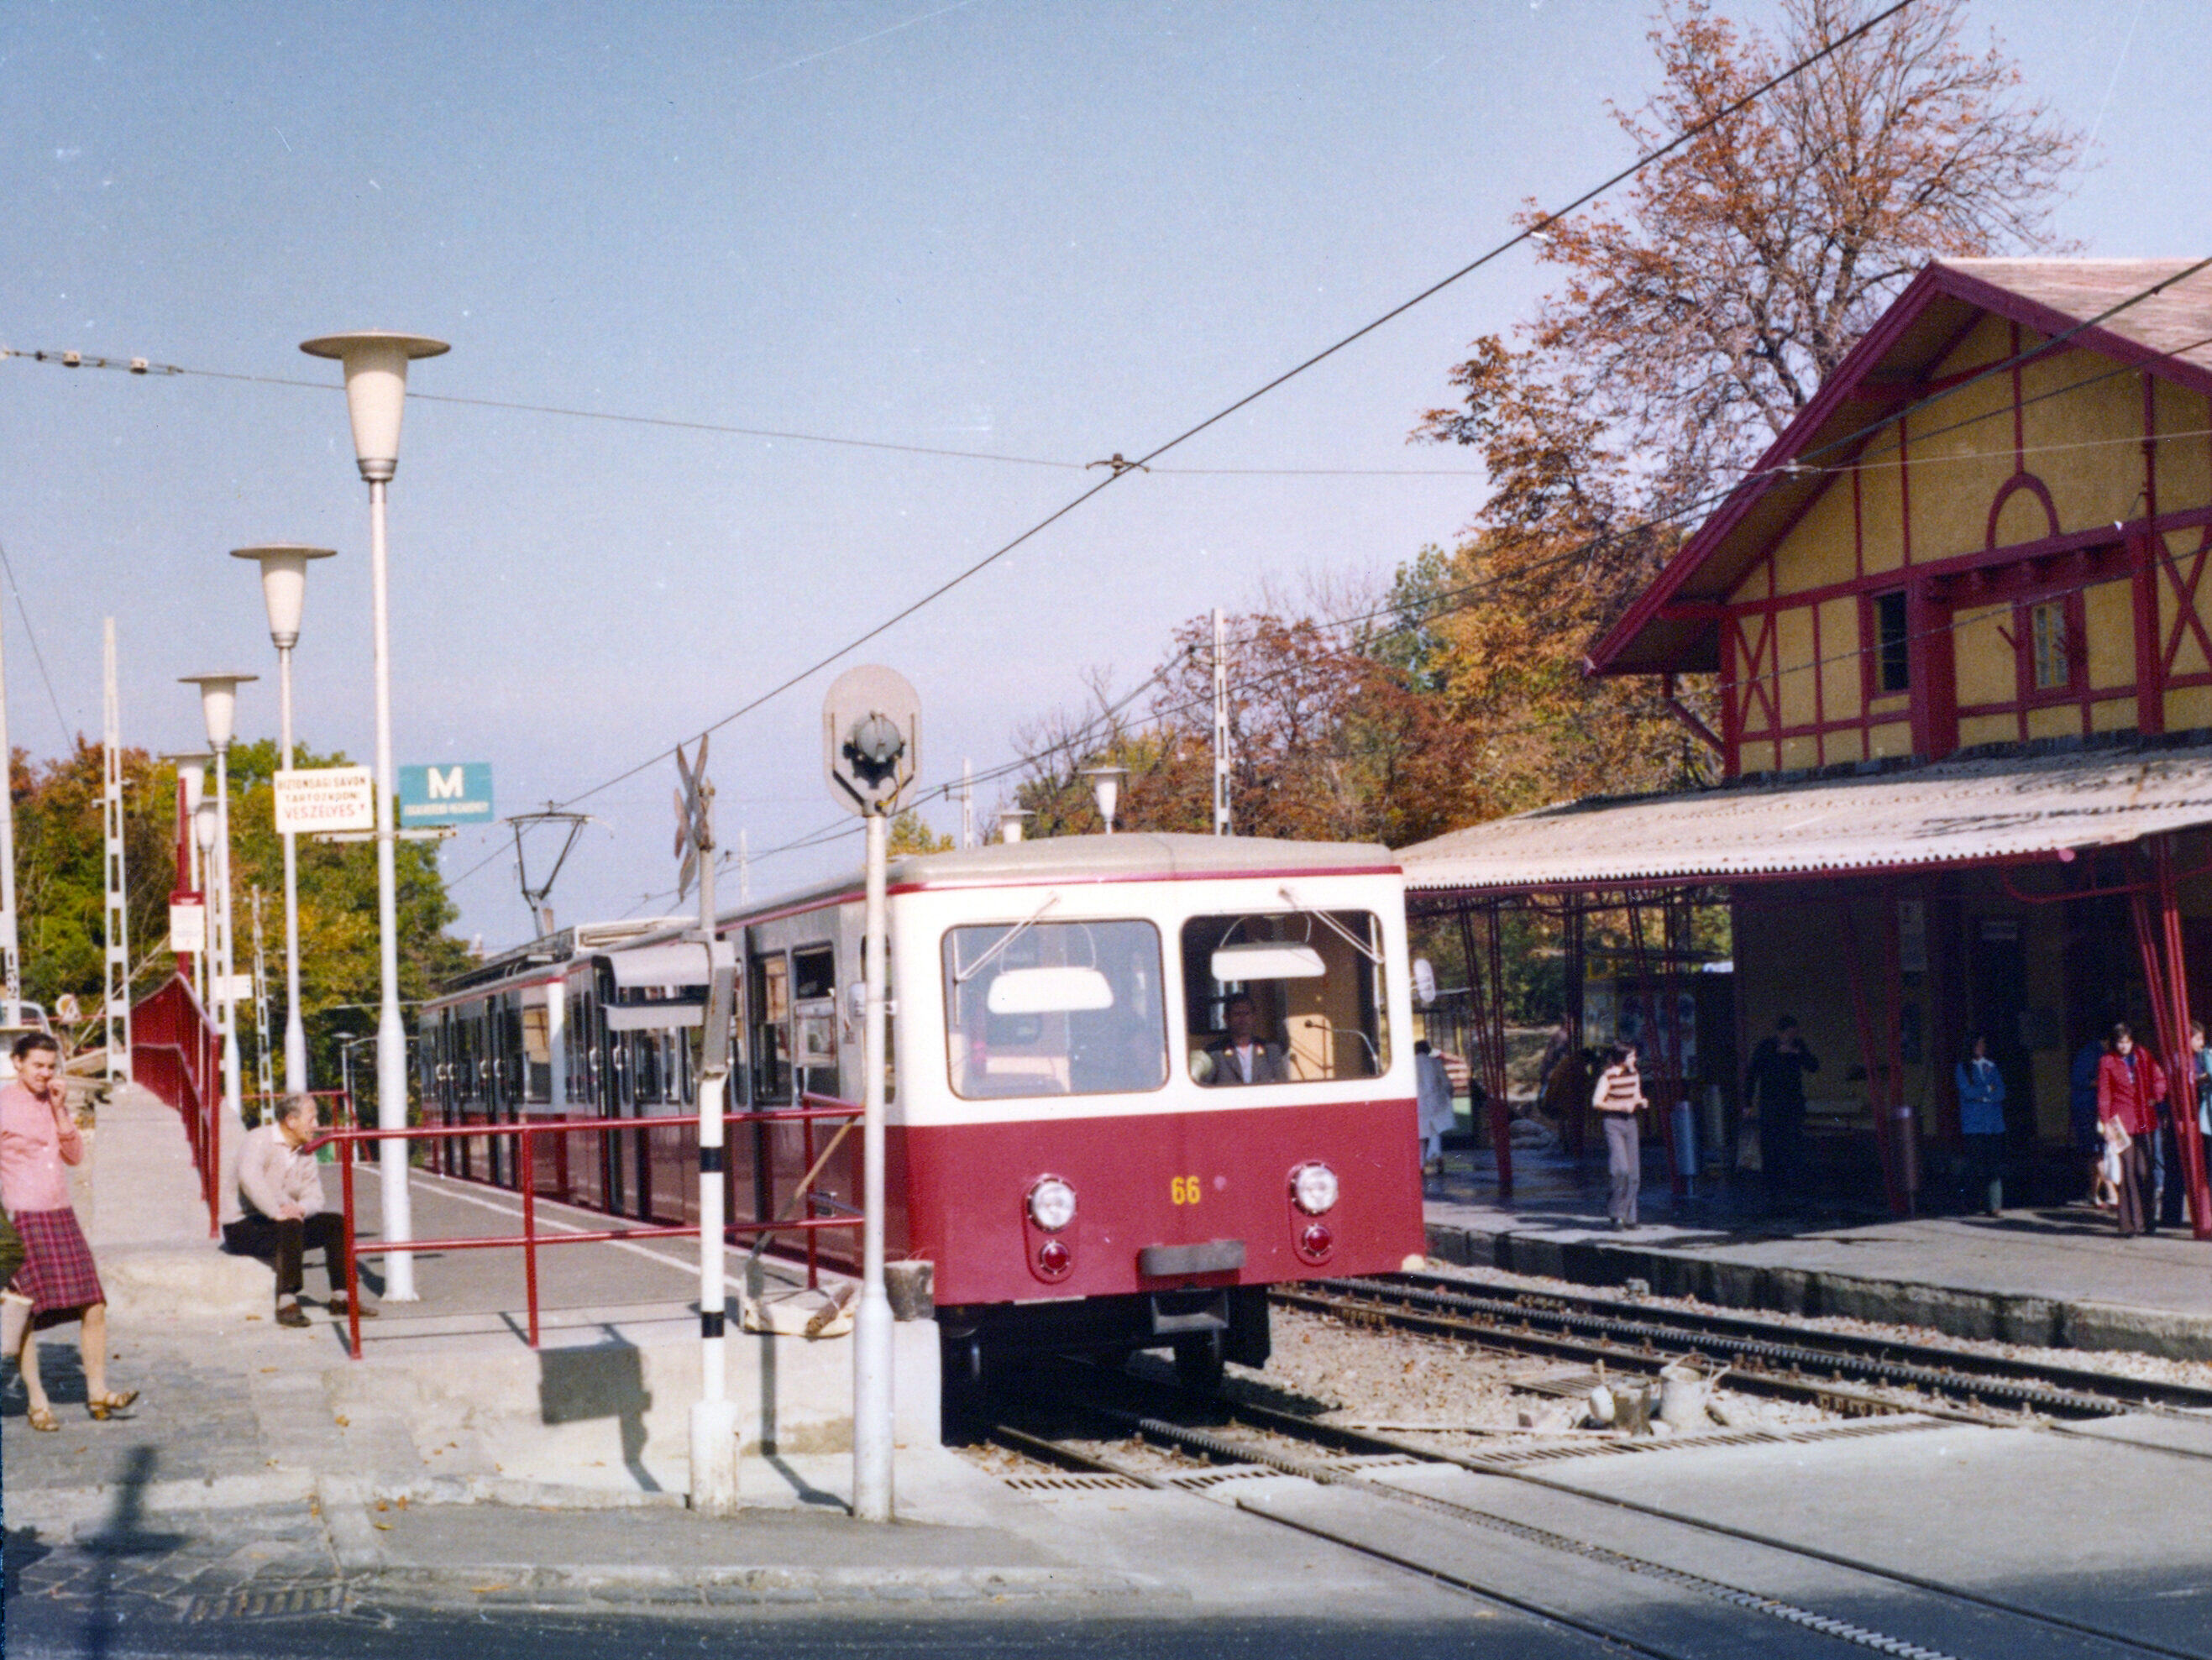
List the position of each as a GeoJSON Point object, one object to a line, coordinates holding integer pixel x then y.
{"type": "Point", "coordinates": [2118, 1363]}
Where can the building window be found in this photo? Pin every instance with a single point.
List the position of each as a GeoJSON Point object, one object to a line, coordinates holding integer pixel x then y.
{"type": "Point", "coordinates": [1891, 662]}
{"type": "Point", "coordinates": [2049, 665]}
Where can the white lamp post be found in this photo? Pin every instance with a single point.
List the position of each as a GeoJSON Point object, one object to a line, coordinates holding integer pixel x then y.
{"type": "Point", "coordinates": [219, 708]}
{"type": "Point", "coordinates": [1106, 786]}
{"type": "Point", "coordinates": [284, 591]}
{"type": "Point", "coordinates": [203, 834]}
{"type": "Point", "coordinates": [376, 396]}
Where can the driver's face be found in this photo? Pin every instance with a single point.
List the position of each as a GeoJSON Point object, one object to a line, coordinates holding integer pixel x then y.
{"type": "Point", "coordinates": [1242, 1022]}
{"type": "Point", "coordinates": [36, 1069]}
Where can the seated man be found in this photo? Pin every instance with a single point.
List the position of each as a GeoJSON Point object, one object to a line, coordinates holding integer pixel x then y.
{"type": "Point", "coordinates": [276, 1212]}
{"type": "Point", "coordinates": [1243, 1056]}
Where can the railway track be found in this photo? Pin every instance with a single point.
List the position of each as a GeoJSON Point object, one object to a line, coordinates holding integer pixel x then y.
{"type": "Point", "coordinates": [1366, 1467]}
{"type": "Point", "coordinates": [1841, 1371]}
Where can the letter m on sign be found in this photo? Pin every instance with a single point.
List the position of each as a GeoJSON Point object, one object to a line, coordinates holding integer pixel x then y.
{"type": "Point", "coordinates": [444, 785]}
{"type": "Point", "coordinates": [448, 792]}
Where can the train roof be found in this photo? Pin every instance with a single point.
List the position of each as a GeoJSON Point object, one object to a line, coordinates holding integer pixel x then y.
{"type": "Point", "coordinates": [1132, 855]}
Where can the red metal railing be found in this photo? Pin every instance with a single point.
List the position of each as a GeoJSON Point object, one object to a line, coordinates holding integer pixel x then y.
{"type": "Point", "coordinates": [528, 1241]}
{"type": "Point", "coordinates": [176, 1052]}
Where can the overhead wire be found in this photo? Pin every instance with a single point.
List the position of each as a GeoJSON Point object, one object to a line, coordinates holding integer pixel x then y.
{"type": "Point", "coordinates": [38, 655]}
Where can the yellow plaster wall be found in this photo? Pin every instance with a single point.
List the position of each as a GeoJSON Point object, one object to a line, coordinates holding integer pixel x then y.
{"type": "Point", "coordinates": [1895, 738]}
{"type": "Point", "coordinates": [2083, 435]}
{"type": "Point", "coordinates": [2112, 714]}
{"type": "Point", "coordinates": [1841, 676]}
{"type": "Point", "coordinates": [1846, 745]}
{"type": "Point", "coordinates": [2184, 464]}
{"type": "Point", "coordinates": [2054, 721]}
{"type": "Point", "coordinates": [1756, 583]}
{"type": "Point", "coordinates": [2188, 708]}
{"type": "Point", "coordinates": [1879, 529]}
{"type": "Point", "coordinates": [1987, 729]}
{"type": "Point", "coordinates": [1820, 550]}
{"type": "Point", "coordinates": [1801, 751]}
{"type": "Point", "coordinates": [2109, 610]}
{"type": "Point", "coordinates": [1757, 756]}
{"type": "Point", "coordinates": [1793, 635]}
{"type": "Point", "coordinates": [2022, 519]}
{"type": "Point", "coordinates": [1961, 453]}
{"type": "Point", "coordinates": [1983, 657]}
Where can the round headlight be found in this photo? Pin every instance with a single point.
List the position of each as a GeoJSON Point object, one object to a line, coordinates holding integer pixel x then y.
{"type": "Point", "coordinates": [1052, 1204]}
{"type": "Point", "coordinates": [1313, 1188]}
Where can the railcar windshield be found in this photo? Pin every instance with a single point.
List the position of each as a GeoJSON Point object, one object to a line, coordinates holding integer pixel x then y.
{"type": "Point", "coordinates": [1055, 1008]}
{"type": "Point", "coordinates": [1294, 997]}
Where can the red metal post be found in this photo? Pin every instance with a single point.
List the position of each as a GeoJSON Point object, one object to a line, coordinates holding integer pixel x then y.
{"type": "Point", "coordinates": [353, 1267]}
{"type": "Point", "coordinates": [529, 1231]}
{"type": "Point", "coordinates": [813, 1244]}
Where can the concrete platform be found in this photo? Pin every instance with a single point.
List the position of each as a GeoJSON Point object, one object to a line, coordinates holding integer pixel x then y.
{"type": "Point", "coordinates": [2059, 1277]}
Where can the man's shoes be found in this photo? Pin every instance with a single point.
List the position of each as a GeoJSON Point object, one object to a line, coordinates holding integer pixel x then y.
{"type": "Point", "coordinates": [289, 1314]}
{"type": "Point", "coordinates": [338, 1311]}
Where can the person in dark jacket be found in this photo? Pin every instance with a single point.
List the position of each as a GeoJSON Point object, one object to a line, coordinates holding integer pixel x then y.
{"type": "Point", "coordinates": [2130, 1085]}
{"type": "Point", "coordinates": [1982, 1125]}
{"type": "Point", "coordinates": [1774, 1087]}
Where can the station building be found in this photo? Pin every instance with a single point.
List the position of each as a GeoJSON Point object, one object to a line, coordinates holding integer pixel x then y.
{"type": "Point", "coordinates": [1959, 628]}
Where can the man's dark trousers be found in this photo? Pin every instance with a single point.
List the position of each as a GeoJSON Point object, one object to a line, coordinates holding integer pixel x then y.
{"type": "Point", "coordinates": [287, 1242]}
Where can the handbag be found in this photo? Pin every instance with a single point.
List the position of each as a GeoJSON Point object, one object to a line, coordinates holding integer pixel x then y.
{"type": "Point", "coordinates": [2111, 1165]}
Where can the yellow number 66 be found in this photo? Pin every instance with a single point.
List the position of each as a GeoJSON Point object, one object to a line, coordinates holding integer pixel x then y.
{"type": "Point", "coordinates": [1183, 1190]}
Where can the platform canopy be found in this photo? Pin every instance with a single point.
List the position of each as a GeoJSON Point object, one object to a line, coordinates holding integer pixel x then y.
{"type": "Point", "coordinates": [1871, 817]}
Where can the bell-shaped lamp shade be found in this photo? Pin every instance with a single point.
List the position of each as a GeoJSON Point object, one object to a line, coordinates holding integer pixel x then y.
{"type": "Point", "coordinates": [1010, 822]}
{"type": "Point", "coordinates": [284, 584]}
{"type": "Point", "coordinates": [1106, 786]}
{"type": "Point", "coordinates": [204, 825]}
{"type": "Point", "coordinates": [376, 389]}
{"type": "Point", "coordinates": [219, 703]}
{"type": "Point", "coordinates": [192, 776]}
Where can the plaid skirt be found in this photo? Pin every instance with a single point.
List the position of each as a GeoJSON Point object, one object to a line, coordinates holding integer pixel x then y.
{"type": "Point", "coordinates": [57, 1274]}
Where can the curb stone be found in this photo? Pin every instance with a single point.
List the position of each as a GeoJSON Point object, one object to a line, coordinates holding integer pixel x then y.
{"type": "Point", "coordinates": [638, 1585]}
{"type": "Point", "coordinates": [2009, 1316]}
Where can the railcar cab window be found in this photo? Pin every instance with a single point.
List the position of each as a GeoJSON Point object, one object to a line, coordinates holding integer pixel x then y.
{"type": "Point", "coordinates": [1284, 998]}
{"type": "Point", "coordinates": [1040, 1008]}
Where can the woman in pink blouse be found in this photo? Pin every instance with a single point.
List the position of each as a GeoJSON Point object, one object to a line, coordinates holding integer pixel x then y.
{"type": "Point", "coordinates": [37, 1139]}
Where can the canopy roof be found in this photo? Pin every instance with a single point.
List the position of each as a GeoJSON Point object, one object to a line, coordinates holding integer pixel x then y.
{"type": "Point", "coordinates": [2032, 801]}
{"type": "Point", "coordinates": [1672, 629]}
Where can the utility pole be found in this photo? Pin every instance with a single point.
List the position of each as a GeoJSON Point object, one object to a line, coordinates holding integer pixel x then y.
{"type": "Point", "coordinates": [713, 1414]}
{"type": "Point", "coordinates": [967, 804]}
{"type": "Point", "coordinates": [744, 870]}
{"type": "Point", "coordinates": [116, 1009]}
{"type": "Point", "coordinates": [1220, 726]}
{"type": "Point", "coordinates": [265, 1077]}
{"type": "Point", "coordinates": [11, 959]}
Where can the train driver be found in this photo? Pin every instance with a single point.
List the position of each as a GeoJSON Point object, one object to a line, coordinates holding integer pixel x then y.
{"type": "Point", "coordinates": [1241, 1056]}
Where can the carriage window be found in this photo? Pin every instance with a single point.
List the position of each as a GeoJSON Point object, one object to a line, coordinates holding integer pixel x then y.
{"type": "Point", "coordinates": [1055, 1008]}
{"type": "Point", "coordinates": [771, 1022]}
{"type": "Point", "coordinates": [1284, 998]}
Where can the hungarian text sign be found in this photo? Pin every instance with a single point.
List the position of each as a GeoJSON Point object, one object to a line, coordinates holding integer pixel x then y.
{"type": "Point", "coordinates": [459, 793]}
{"type": "Point", "coordinates": [187, 925]}
{"type": "Point", "coordinates": [311, 798]}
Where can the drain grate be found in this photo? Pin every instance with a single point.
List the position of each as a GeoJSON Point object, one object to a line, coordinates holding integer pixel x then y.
{"type": "Point", "coordinates": [265, 1604]}
{"type": "Point", "coordinates": [1213, 1478]}
{"type": "Point", "coordinates": [1073, 1481]}
{"type": "Point", "coordinates": [1510, 1458]}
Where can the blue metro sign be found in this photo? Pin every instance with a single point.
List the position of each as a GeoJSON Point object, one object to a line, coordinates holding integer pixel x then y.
{"type": "Point", "coordinates": [456, 793]}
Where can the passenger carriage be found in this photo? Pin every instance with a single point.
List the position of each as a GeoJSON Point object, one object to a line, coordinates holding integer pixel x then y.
{"type": "Point", "coordinates": [1073, 1147]}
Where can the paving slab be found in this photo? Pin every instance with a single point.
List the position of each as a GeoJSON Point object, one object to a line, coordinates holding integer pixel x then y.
{"type": "Point", "coordinates": [2058, 1277]}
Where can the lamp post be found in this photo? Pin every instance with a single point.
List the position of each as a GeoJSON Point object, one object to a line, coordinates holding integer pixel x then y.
{"type": "Point", "coordinates": [284, 592]}
{"type": "Point", "coordinates": [192, 789]}
{"type": "Point", "coordinates": [1106, 786]}
{"type": "Point", "coordinates": [376, 395]}
{"type": "Point", "coordinates": [203, 834]}
{"type": "Point", "coordinates": [219, 708]}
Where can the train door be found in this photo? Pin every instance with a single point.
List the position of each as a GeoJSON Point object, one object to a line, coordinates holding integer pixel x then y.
{"type": "Point", "coordinates": [441, 1102]}
{"type": "Point", "coordinates": [587, 1076]}
{"type": "Point", "coordinates": [768, 998]}
{"type": "Point", "coordinates": [619, 1100]}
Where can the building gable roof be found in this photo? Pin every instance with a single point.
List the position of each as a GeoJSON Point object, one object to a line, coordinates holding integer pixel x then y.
{"type": "Point", "coordinates": [1671, 628]}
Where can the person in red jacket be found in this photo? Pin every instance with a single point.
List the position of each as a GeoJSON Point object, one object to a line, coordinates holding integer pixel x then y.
{"type": "Point", "coordinates": [2130, 1085]}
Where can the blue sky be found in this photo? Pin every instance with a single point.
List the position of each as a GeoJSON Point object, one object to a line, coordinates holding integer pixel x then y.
{"type": "Point", "coordinates": [1051, 232]}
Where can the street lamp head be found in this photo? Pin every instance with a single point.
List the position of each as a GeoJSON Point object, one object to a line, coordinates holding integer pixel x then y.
{"type": "Point", "coordinates": [284, 584]}
{"type": "Point", "coordinates": [1106, 785]}
{"type": "Point", "coordinates": [1010, 822]}
{"type": "Point", "coordinates": [192, 776]}
{"type": "Point", "coordinates": [376, 389]}
{"type": "Point", "coordinates": [218, 703]}
{"type": "Point", "coordinates": [204, 825]}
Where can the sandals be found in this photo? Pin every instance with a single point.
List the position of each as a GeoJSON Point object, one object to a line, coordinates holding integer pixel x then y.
{"type": "Point", "coordinates": [102, 1407]}
{"type": "Point", "coordinates": [42, 1420]}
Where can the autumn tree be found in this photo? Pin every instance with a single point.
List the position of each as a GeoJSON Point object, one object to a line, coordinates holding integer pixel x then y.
{"type": "Point", "coordinates": [1695, 319]}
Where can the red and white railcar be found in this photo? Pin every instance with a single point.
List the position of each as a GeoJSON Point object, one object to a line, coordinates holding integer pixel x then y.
{"type": "Point", "coordinates": [1079, 1144]}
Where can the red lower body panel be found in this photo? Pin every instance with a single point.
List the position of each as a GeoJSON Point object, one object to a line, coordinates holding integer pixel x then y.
{"type": "Point", "coordinates": [1170, 1179]}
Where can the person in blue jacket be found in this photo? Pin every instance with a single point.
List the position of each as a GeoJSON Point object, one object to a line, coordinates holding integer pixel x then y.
{"type": "Point", "coordinates": [1981, 1121]}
